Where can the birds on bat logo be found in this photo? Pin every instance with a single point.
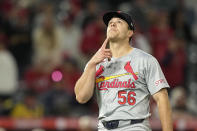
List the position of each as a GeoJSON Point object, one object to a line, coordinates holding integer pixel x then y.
{"type": "Point", "coordinates": [103, 84]}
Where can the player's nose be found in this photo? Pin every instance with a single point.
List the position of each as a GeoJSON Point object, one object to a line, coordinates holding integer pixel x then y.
{"type": "Point", "coordinates": [113, 24]}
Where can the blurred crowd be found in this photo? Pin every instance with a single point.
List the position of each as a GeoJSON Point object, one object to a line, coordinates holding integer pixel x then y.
{"type": "Point", "coordinates": [45, 44]}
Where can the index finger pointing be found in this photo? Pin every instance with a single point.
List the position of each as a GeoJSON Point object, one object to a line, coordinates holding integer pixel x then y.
{"type": "Point", "coordinates": [105, 43]}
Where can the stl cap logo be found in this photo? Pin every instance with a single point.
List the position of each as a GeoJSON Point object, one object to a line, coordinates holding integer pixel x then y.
{"type": "Point", "coordinates": [119, 11]}
{"type": "Point", "coordinates": [131, 24]}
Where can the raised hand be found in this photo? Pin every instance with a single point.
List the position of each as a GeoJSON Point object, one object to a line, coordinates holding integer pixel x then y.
{"type": "Point", "coordinates": [101, 54]}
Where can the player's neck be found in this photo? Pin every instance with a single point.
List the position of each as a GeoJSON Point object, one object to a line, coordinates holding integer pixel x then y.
{"type": "Point", "coordinates": [120, 49]}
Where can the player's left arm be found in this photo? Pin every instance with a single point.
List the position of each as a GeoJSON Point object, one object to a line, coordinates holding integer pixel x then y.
{"type": "Point", "coordinates": [165, 112]}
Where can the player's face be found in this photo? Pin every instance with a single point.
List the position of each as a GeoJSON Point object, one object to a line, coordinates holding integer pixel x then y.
{"type": "Point", "coordinates": [117, 29]}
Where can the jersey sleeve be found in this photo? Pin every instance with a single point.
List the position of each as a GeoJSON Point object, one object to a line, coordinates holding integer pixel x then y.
{"type": "Point", "coordinates": [154, 76]}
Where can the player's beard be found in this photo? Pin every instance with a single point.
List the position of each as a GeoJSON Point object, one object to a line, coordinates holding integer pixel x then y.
{"type": "Point", "coordinates": [112, 35]}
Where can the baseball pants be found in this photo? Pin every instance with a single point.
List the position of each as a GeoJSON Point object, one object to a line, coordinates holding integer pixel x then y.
{"type": "Point", "coordinates": [125, 126]}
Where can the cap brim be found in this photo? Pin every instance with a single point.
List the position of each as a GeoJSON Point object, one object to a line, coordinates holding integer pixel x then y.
{"type": "Point", "coordinates": [109, 15]}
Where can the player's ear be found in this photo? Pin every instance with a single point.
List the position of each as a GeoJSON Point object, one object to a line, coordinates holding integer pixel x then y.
{"type": "Point", "coordinates": [130, 33]}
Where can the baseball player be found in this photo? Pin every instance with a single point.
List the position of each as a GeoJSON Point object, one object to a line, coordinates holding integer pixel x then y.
{"type": "Point", "coordinates": [124, 78]}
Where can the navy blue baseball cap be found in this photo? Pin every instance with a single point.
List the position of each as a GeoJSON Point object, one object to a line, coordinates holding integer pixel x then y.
{"type": "Point", "coordinates": [126, 17]}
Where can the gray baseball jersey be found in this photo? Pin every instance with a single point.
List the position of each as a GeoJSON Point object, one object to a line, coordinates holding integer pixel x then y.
{"type": "Point", "coordinates": [124, 86]}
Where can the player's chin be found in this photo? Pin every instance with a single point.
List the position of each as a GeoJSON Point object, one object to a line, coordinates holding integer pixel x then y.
{"type": "Point", "coordinates": [112, 32]}
{"type": "Point", "coordinates": [113, 39]}
{"type": "Point", "coordinates": [112, 36]}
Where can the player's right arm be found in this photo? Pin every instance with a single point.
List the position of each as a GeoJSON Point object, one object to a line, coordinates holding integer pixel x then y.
{"type": "Point", "coordinates": [84, 87]}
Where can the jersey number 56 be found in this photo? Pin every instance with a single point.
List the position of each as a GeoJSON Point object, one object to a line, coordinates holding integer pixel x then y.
{"type": "Point", "coordinates": [129, 97]}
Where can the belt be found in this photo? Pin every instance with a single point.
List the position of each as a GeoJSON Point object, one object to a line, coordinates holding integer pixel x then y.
{"type": "Point", "coordinates": [120, 123]}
